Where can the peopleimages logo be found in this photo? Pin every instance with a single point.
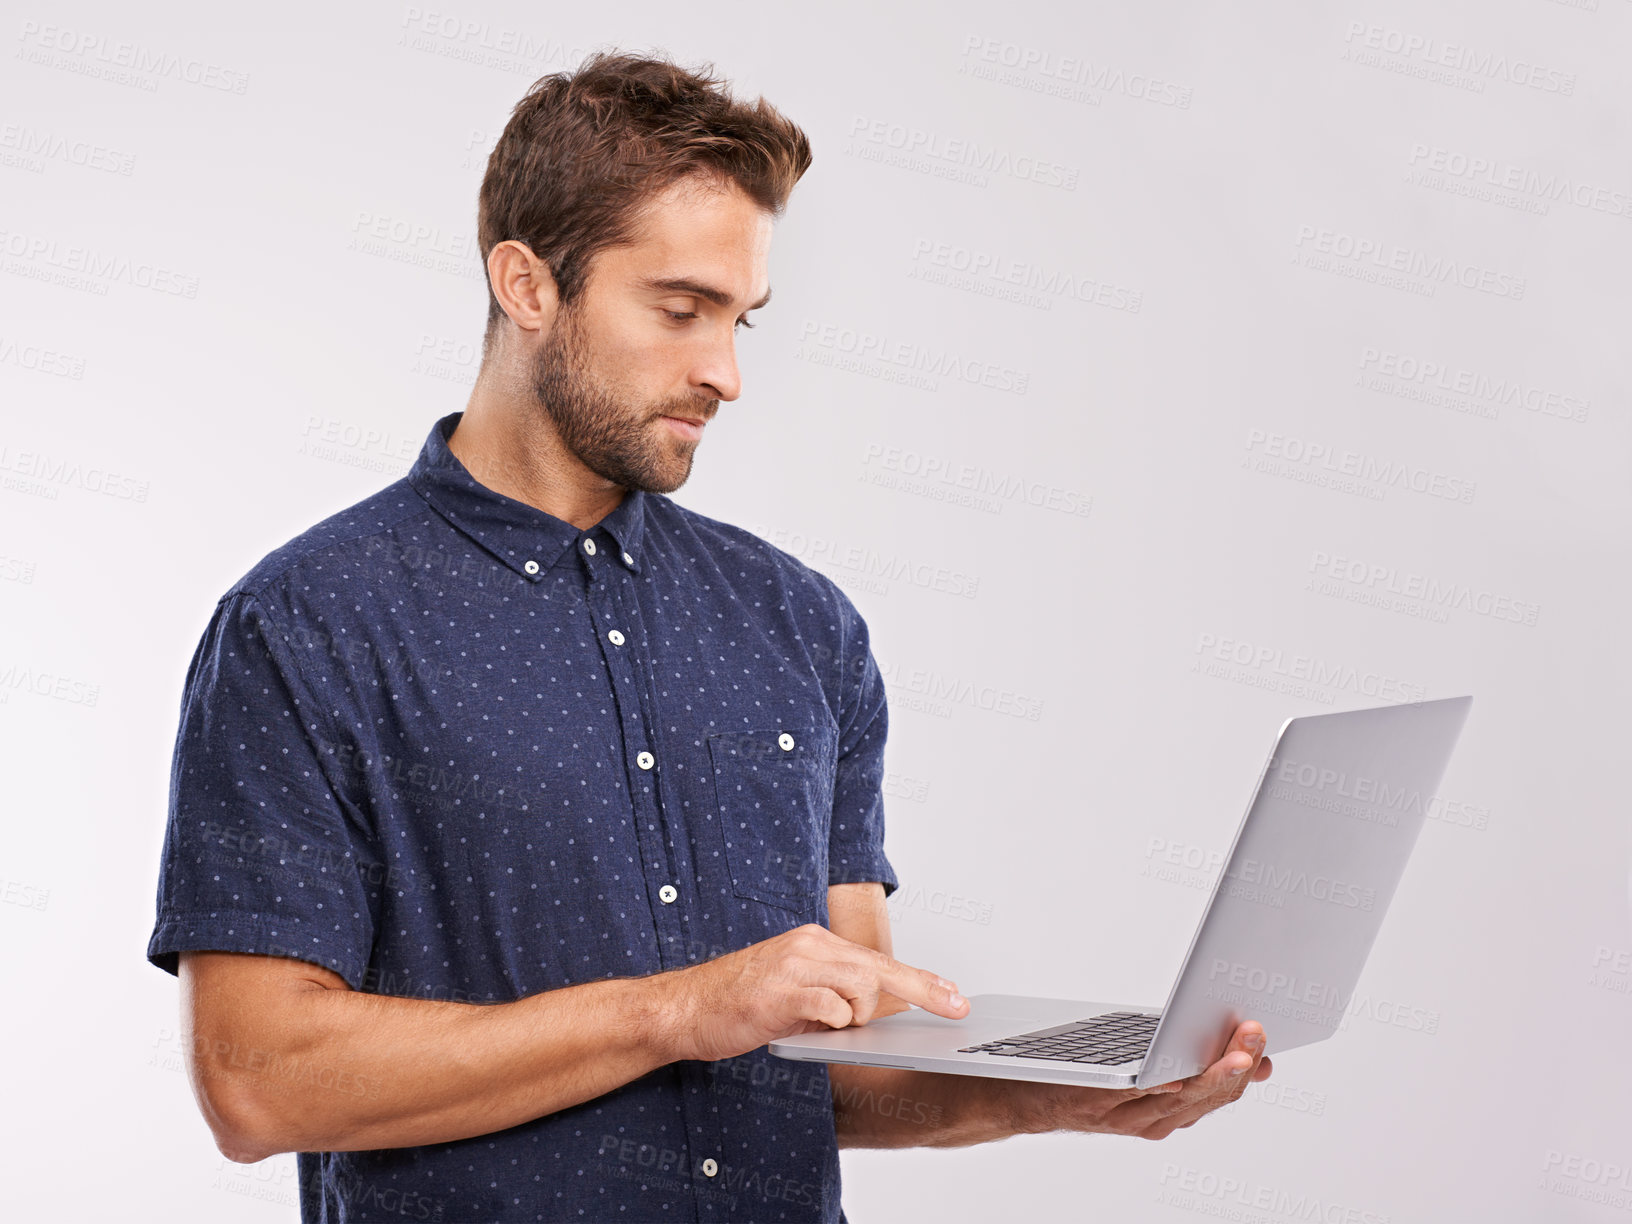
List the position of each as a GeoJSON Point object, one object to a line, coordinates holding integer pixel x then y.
{"type": "Point", "coordinates": [1487, 394]}
{"type": "Point", "coordinates": [966, 155]}
{"type": "Point", "coordinates": [864, 347]}
{"type": "Point", "coordinates": [87, 268]}
{"type": "Point", "coordinates": [1408, 262]}
{"type": "Point", "coordinates": [1389, 580]}
{"type": "Point", "coordinates": [1275, 984]}
{"type": "Point", "coordinates": [1324, 672]}
{"type": "Point", "coordinates": [54, 470]}
{"type": "Point", "coordinates": [1355, 795]}
{"type": "Point", "coordinates": [1607, 1182]}
{"type": "Point", "coordinates": [1496, 173]}
{"type": "Point", "coordinates": [914, 471]}
{"type": "Point", "coordinates": [420, 27]}
{"type": "Point", "coordinates": [980, 270]}
{"type": "Point", "coordinates": [937, 687]}
{"type": "Point", "coordinates": [36, 146]}
{"type": "Point", "coordinates": [118, 60]}
{"type": "Point", "coordinates": [1283, 450]}
{"type": "Point", "coordinates": [940, 902]}
{"type": "Point", "coordinates": [1234, 1198]}
{"type": "Point", "coordinates": [1267, 883]}
{"type": "Point", "coordinates": [1046, 63]}
{"type": "Point", "coordinates": [41, 360]}
{"type": "Point", "coordinates": [16, 678]}
{"type": "Point", "coordinates": [1477, 63]}
{"type": "Point", "coordinates": [870, 563]}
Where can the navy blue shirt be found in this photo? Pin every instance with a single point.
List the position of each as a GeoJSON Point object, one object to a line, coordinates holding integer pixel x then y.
{"type": "Point", "coordinates": [452, 747]}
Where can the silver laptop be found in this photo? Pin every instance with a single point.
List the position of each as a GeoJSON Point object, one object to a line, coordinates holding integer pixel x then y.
{"type": "Point", "coordinates": [1292, 916]}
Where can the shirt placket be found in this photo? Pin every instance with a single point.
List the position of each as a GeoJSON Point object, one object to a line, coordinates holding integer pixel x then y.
{"type": "Point", "coordinates": [620, 631]}
{"type": "Point", "coordinates": [620, 636]}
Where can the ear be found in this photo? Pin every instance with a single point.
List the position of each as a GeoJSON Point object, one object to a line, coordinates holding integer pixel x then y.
{"type": "Point", "coordinates": [524, 285]}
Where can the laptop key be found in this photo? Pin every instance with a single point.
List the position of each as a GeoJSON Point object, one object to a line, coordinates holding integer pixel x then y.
{"type": "Point", "coordinates": [1116, 1037]}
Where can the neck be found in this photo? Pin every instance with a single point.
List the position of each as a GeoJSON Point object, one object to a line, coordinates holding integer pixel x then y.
{"type": "Point", "coordinates": [507, 443]}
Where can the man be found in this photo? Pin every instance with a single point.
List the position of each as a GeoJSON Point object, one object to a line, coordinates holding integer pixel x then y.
{"type": "Point", "coordinates": [515, 808]}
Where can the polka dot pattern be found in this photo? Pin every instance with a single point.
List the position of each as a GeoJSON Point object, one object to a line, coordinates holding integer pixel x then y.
{"type": "Point", "coordinates": [409, 751]}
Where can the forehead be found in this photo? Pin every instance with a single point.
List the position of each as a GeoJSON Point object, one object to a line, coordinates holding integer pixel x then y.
{"type": "Point", "coordinates": [695, 230]}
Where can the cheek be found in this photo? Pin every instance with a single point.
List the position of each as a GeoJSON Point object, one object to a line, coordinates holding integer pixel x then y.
{"type": "Point", "coordinates": [644, 368]}
{"type": "Point", "coordinates": [639, 359]}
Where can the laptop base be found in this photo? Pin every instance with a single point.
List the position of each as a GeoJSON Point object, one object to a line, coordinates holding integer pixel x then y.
{"type": "Point", "coordinates": [918, 1040]}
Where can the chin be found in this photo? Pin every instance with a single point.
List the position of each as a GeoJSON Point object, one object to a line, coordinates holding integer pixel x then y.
{"type": "Point", "coordinates": [667, 482]}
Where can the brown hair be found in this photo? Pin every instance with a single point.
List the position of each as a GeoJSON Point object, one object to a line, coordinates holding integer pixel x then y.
{"type": "Point", "coordinates": [584, 152]}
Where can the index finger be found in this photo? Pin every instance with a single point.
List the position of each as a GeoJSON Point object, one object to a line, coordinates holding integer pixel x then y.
{"type": "Point", "coordinates": [928, 990]}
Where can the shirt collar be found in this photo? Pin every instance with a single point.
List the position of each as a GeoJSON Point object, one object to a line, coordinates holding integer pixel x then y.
{"type": "Point", "coordinates": [523, 537]}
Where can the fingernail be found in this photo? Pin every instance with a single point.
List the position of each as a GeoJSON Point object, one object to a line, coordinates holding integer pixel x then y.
{"type": "Point", "coordinates": [1255, 1043]}
{"type": "Point", "coordinates": [957, 1000]}
{"type": "Point", "coordinates": [1238, 1071]}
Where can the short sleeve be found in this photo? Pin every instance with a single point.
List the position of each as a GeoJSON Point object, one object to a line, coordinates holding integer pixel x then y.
{"type": "Point", "coordinates": [856, 835]}
{"type": "Point", "coordinates": [262, 853]}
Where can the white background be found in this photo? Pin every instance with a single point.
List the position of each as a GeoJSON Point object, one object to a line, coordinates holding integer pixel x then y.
{"type": "Point", "coordinates": [238, 282]}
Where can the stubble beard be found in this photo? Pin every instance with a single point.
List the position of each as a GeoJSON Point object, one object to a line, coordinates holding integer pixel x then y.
{"type": "Point", "coordinates": [616, 441]}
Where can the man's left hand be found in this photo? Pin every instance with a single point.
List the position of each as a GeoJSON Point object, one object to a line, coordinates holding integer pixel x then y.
{"type": "Point", "coordinates": [1145, 1113]}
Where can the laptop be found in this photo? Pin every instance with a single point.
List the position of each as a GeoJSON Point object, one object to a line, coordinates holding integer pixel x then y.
{"type": "Point", "coordinates": [1291, 919]}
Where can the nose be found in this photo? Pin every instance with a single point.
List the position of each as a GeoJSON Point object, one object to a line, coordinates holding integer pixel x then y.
{"type": "Point", "coordinates": [717, 372]}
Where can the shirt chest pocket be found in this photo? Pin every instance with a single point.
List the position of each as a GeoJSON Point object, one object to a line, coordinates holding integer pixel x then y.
{"type": "Point", "coordinates": [773, 791]}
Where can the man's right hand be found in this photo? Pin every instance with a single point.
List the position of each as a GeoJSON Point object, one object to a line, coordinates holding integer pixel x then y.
{"type": "Point", "coordinates": [800, 981]}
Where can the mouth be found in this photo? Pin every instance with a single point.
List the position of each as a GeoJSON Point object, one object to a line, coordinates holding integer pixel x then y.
{"type": "Point", "coordinates": [690, 428]}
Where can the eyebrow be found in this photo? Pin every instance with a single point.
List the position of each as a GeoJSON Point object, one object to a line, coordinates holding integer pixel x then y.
{"type": "Point", "coordinates": [684, 284]}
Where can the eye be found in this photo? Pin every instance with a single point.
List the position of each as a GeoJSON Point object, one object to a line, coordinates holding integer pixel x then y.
{"type": "Point", "coordinates": [680, 316]}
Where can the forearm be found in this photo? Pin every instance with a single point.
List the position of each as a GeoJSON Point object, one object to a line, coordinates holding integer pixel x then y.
{"type": "Point", "coordinates": [877, 1107]}
{"type": "Point", "coordinates": [340, 1070]}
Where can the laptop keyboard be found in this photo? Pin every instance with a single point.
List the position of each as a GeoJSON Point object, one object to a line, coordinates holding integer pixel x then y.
{"type": "Point", "coordinates": [1116, 1037]}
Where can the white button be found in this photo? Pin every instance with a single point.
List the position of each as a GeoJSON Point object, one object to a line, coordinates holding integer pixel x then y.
{"type": "Point", "coordinates": [786, 741]}
{"type": "Point", "coordinates": [667, 894]}
{"type": "Point", "coordinates": [615, 637]}
{"type": "Point", "coordinates": [645, 760]}
{"type": "Point", "coordinates": [589, 547]}
{"type": "Point", "coordinates": [710, 1168]}
{"type": "Point", "coordinates": [531, 567]}
{"type": "Point", "coordinates": [627, 559]}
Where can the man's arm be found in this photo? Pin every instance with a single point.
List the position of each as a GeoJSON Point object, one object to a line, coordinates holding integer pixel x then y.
{"type": "Point", "coordinates": [284, 1056]}
{"type": "Point", "coordinates": [877, 1107]}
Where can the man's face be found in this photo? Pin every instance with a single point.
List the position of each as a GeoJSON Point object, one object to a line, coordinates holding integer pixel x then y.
{"type": "Point", "coordinates": [632, 372]}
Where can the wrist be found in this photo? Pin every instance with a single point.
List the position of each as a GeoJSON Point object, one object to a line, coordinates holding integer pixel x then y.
{"type": "Point", "coordinates": [1031, 1112]}
{"type": "Point", "coordinates": [662, 1011]}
